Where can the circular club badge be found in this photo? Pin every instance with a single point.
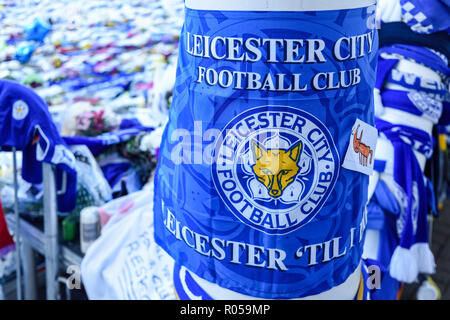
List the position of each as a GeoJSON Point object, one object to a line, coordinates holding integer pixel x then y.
{"type": "Point", "coordinates": [20, 110]}
{"type": "Point", "coordinates": [275, 167]}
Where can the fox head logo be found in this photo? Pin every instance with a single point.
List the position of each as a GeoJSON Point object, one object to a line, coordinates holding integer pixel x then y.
{"type": "Point", "coordinates": [268, 178]}
{"type": "Point", "coordinates": [276, 168]}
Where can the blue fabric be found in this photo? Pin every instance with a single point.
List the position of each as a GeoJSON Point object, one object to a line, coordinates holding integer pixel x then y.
{"type": "Point", "coordinates": [445, 118]}
{"type": "Point", "coordinates": [383, 212]}
{"type": "Point", "coordinates": [383, 196]}
{"type": "Point", "coordinates": [23, 116]}
{"type": "Point", "coordinates": [420, 55]}
{"type": "Point", "coordinates": [212, 217]}
{"type": "Point", "coordinates": [379, 165]}
{"type": "Point", "coordinates": [382, 201]}
{"type": "Point", "coordinates": [115, 171]}
{"type": "Point", "coordinates": [400, 214]}
{"type": "Point", "coordinates": [414, 103]}
{"type": "Point", "coordinates": [99, 144]}
{"type": "Point", "coordinates": [133, 123]}
{"type": "Point", "coordinates": [187, 283]}
{"type": "Point", "coordinates": [375, 216]}
{"type": "Point", "coordinates": [187, 288]}
{"type": "Point", "coordinates": [388, 287]}
{"type": "Point", "coordinates": [399, 100]}
{"type": "Point", "coordinates": [24, 52]}
{"type": "Point", "coordinates": [425, 16]}
{"type": "Point", "coordinates": [431, 197]}
{"type": "Point", "coordinates": [95, 144]}
{"type": "Point", "coordinates": [37, 30]}
{"type": "Point", "coordinates": [411, 81]}
{"type": "Point", "coordinates": [384, 68]}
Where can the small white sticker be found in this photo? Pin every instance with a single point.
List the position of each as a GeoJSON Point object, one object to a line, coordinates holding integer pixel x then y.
{"type": "Point", "coordinates": [20, 110]}
{"type": "Point", "coordinates": [361, 149]}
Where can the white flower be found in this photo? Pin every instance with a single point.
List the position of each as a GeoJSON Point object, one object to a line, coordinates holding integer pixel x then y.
{"type": "Point", "coordinates": [151, 141]}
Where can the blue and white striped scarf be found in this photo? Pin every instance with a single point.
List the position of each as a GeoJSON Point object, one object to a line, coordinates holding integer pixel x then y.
{"type": "Point", "coordinates": [425, 16]}
{"type": "Point", "coordinates": [412, 255]}
{"type": "Point", "coordinates": [422, 16]}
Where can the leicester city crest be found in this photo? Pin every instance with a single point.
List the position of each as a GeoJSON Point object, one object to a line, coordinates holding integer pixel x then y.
{"type": "Point", "coordinates": [275, 167]}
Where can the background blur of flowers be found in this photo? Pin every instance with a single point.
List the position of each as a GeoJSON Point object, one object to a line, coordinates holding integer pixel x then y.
{"type": "Point", "coordinates": [92, 123]}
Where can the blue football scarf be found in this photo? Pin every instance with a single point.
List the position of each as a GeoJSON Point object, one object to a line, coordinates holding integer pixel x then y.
{"type": "Point", "coordinates": [423, 95]}
{"type": "Point", "coordinates": [128, 129]}
{"type": "Point", "coordinates": [412, 255]}
{"type": "Point", "coordinates": [386, 73]}
{"type": "Point", "coordinates": [420, 55]}
{"type": "Point", "coordinates": [414, 103]}
{"type": "Point", "coordinates": [24, 116]}
{"type": "Point", "coordinates": [252, 88]}
{"type": "Point", "coordinates": [383, 213]}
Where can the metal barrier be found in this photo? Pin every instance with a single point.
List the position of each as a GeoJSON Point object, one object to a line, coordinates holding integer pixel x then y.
{"type": "Point", "coordinates": [17, 216]}
{"type": "Point", "coordinates": [50, 231]}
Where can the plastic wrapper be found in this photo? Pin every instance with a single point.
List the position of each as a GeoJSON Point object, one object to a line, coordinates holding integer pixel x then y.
{"type": "Point", "coordinates": [93, 189]}
{"type": "Point", "coordinates": [126, 243]}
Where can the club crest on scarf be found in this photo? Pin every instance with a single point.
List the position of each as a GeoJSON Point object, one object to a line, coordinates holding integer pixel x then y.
{"type": "Point", "coordinates": [401, 197]}
{"type": "Point", "coordinates": [275, 167]}
{"type": "Point", "coordinates": [20, 110]}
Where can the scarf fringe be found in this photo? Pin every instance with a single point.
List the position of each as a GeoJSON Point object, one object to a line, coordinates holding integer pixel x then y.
{"type": "Point", "coordinates": [403, 266]}
{"type": "Point", "coordinates": [424, 257]}
{"type": "Point", "coordinates": [406, 264]}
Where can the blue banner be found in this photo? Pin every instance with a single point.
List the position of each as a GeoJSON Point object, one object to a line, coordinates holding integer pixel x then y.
{"type": "Point", "coordinates": [249, 189]}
